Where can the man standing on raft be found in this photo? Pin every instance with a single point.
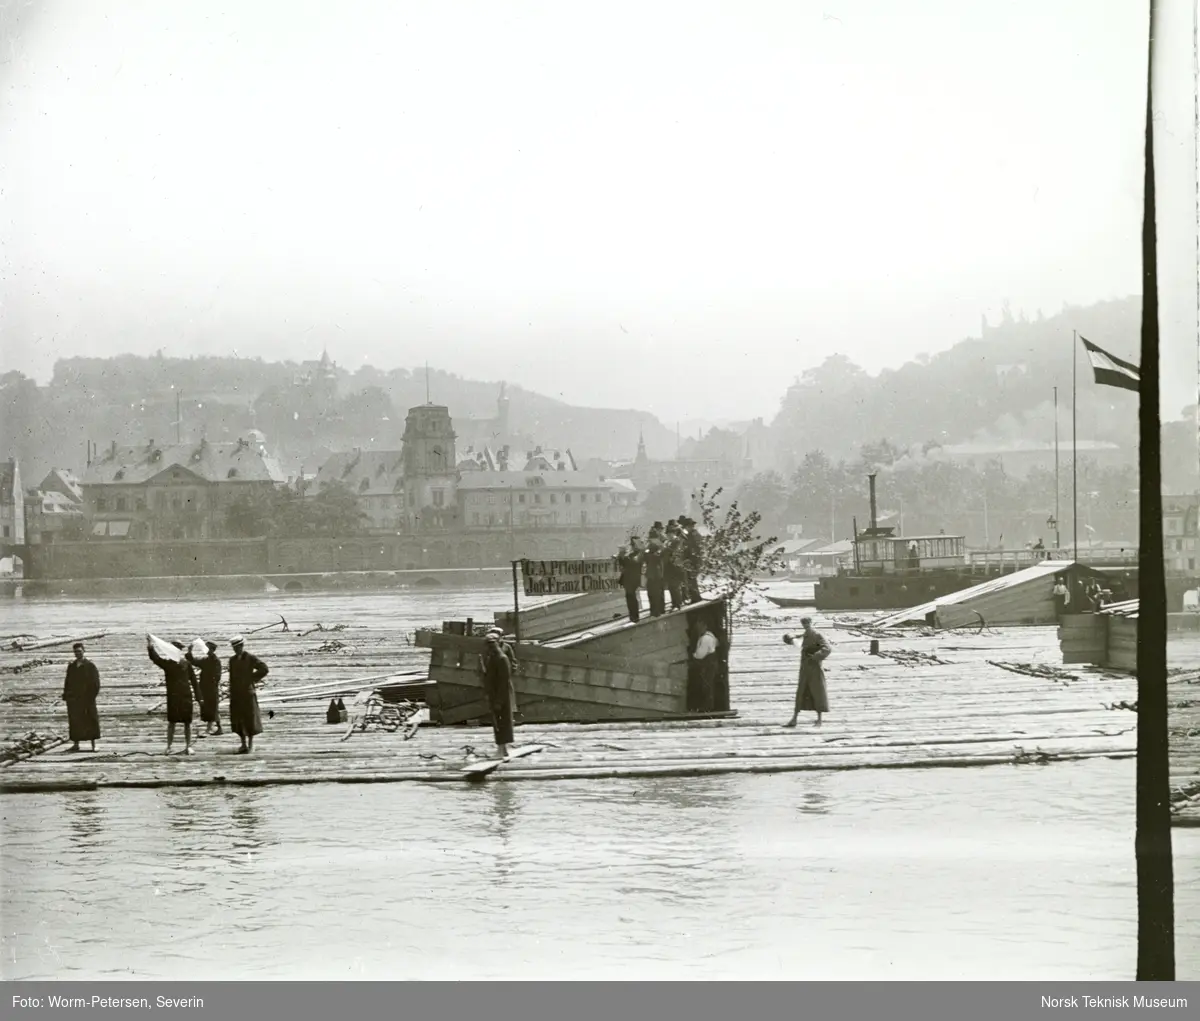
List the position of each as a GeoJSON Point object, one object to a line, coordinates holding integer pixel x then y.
{"type": "Point", "coordinates": [810, 691]}
{"type": "Point", "coordinates": [498, 686]}
{"type": "Point", "coordinates": [245, 671]}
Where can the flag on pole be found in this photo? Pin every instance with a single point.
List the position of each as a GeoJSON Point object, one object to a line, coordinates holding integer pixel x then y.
{"type": "Point", "coordinates": [1110, 370]}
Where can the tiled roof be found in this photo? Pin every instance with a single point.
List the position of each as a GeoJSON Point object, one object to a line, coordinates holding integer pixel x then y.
{"type": "Point", "coordinates": [213, 462]}
{"type": "Point", "coordinates": [364, 472]}
{"type": "Point", "coordinates": [520, 480]}
{"type": "Point", "coordinates": [62, 480]}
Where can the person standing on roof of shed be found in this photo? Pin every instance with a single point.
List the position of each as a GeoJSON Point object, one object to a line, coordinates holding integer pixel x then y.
{"type": "Point", "coordinates": [673, 574]}
{"type": "Point", "coordinates": [655, 570]}
{"type": "Point", "coordinates": [630, 561]}
{"type": "Point", "coordinates": [693, 555]}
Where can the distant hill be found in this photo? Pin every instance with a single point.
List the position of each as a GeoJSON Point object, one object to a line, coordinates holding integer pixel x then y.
{"type": "Point", "coordinates": [304, 410]}
{"type": "Point", "coordinates": [995, 387]}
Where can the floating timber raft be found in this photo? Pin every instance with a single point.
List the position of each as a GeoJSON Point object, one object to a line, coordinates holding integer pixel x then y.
{"type": "Point", "coordinates": [1108, 639]}
{"type": "Point", "coordinates": [934, 701]}
{"type": "Point", "coordinates": [588, 667]}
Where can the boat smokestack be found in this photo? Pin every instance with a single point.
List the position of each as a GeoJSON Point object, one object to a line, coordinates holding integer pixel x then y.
{"type": "Point", "coordinates": [874, 515]}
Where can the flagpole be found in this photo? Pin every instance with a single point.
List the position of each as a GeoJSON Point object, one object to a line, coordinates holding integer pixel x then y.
{"type": "Point", "coordinates": [1152, 838]}
{"type": "Point", "coordinates": [1074, 447]}
{"type": "Point", "coordinates": [1057, 485]}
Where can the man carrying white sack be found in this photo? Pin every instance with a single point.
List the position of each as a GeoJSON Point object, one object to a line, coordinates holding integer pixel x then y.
{"type": "Point", "coordinates": [179, 678]}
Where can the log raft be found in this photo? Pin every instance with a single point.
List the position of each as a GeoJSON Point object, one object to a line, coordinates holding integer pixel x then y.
{"type": "Point", "coordinates": [886, 713]}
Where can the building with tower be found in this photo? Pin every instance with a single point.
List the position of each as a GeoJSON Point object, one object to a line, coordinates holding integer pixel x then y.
{"type": "Point", "coordinates": [430, 468]}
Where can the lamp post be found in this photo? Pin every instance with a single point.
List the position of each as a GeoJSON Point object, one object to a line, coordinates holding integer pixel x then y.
{"type": "Point", "coordinates": [1052, 525]}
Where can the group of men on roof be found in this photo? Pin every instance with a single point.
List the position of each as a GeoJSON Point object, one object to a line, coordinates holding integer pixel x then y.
{"type": "Point", "coordinates": [670, 562]}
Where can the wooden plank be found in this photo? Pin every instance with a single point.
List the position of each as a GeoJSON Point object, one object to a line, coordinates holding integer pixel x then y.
{"type": "Point", "coordinates": [560, 618]}
{"type": "Point", "coordinates": [461, 707]}
{"type": "Point", "coordinates": [573, 656]}
{"type": "Point", "coordinates": [590, 688]}
{"type": "Point", "coordinates": [531, 672]}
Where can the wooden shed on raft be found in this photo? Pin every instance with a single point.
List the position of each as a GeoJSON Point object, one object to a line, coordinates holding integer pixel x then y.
{"type": "Point", "coordinates": [582, 660]}
{"type": "Point", "coordinates": [1022, 598]}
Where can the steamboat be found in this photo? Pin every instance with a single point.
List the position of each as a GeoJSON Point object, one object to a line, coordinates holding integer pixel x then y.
{"type": "Point", "coordinates": [892, 572]}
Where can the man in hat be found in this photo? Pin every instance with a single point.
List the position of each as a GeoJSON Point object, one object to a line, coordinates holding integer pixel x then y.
{"type": "Point", "coordinates": [655, 570]}
{"type": "Point", "coordinates": [203, 655]}
{"type": "Point", "coordinates": [80, 689]}
{"type": "Point", "coordinates": [498, 687]}
{"type": "Point", "coordinates": [245, 671]}
{"type": "Point", "coordinates": [630, 561]}
{"type": "Point", "coordinates": [692, 557]}
{"type": "Point", "coordinates": [673, 574]}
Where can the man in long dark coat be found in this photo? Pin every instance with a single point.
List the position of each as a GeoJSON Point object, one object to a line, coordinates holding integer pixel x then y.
{"type": "Point", "coordinates": [673, 573]}
{"type": "Point", "coordinates": [498, 686]}
{"type": "Point", "coordinates": [811, 693]}
{"type": "Point", "coordinates": [209, 691]}
{"type": "Point", "coordinates": [655, 571]}
{"type": "Point", "coordinates": [181, 688]}
{"type": "Point", "coordinates": [692, 557]}
{"type": "Point", "coordinates": [245, 671]}
{"type": "Point", "coordinates": [630, 561]}
{"type": "Point", "coordinates": [80, 689]}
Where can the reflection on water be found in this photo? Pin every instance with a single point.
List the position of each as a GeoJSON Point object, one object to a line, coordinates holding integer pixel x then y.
{"type": "Point", "coordinates": [86, 817]}
{"type": "Point", "coordinates": [911, 874]}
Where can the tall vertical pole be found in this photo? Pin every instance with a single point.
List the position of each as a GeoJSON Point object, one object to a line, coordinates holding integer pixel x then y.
{"type": "Point", "coordinates": [1074, 447]}
{"type": "Point", "coordinates": [1152, 843]}
{"type": "Point", "coordinates": [1057, 487]}
{"type": "Point", "coordinates": [516, 605]}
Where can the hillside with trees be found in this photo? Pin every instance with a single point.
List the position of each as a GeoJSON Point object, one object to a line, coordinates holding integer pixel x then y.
{"type": "Point", "coordinates": [131, 399]}
{"type": "Point", "coordinates": [995, 388]}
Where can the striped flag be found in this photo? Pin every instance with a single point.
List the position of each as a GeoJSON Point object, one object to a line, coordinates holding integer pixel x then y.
{"type": "Point", "coordinates": [1110, 370]}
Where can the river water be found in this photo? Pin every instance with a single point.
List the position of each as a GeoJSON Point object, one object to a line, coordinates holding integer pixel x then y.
{"type": "Point", "coordinates": [1004, 872]}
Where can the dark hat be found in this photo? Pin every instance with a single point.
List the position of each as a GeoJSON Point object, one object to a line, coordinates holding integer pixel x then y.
{"type": "Point", "coordinates": [212, 646]}
{"type": "Point", "coordinates": [77, 645]}
{"type": "Point", "coordinates": [657, 524]}
{"type": "Point", "coordinates": [178, 645]}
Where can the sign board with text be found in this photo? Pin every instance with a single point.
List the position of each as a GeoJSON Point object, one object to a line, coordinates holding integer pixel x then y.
{"type": "Point", "coordinates": [570, 577]}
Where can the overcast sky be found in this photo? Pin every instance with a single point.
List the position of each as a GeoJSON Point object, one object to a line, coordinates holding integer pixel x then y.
{"type": "Point", "coordinates": [677, 206]}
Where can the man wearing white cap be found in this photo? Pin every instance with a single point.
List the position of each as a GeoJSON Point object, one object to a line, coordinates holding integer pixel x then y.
{"type": "Point", "coordinates": [245, 671]}
{"type": "Point", "coordinates": [497, 666]}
